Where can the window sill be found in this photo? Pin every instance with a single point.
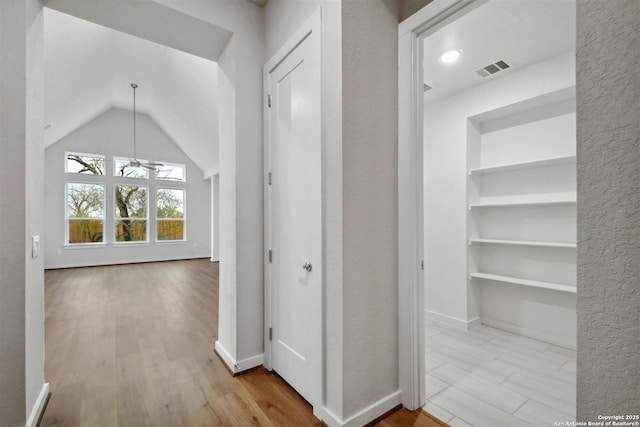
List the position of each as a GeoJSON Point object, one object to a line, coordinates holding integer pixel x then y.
{"type": "Point", "coordinates": [73, 246]}
{"type": "Point", "coordinates": [171, 242]}
{"type": "Point", "coordinates": [121, 244]}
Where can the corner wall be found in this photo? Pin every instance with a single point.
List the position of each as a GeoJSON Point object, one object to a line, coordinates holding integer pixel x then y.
{"type": "Point", "coordinates": [22, 384]}
{"type": "Point", "coordinates": [370, 204]}
{"type": "Point", "coordinates": [608, 132]}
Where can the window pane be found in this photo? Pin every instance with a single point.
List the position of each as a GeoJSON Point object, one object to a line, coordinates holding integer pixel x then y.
{"type": "Point", "coordinates": [131, 202]}
{"type": "Point", "coordinates": [170, 202]}
{"type": "Point", "coordinates": [85, 163]}
{"type": "Point", "coordinates": [170, 230]}
{"type": "Point", "coordinates": [85, 200]}
{"type": "Point", "coordinates": [85, 231]}
{"type": "Point", "coordinates": [171, 172]}
{"type": "Point", "coordinates": [122, 168]}
{"type": "Point", "coordinates": [131, 230]}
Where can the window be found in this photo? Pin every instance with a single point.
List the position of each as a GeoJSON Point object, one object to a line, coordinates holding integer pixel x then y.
{"type": "Point", "coordinates": [85, 212]}
{"type": "Point", "coordinates": [170, 214]}
{"type": "Point", "coordinates": [131, 207]}
{"type": "Point", "coordinates": [84, 163]}
{"type": "Point", "coordinates": [122, 168]}
{"type": "Point", "coordinates": [171, 172]}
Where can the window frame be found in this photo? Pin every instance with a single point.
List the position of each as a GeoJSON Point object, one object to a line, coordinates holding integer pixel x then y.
{"type": "Point", "coordinates": [165, 164]}
{"type": "Point", "coordinates": [127, 159]}
{"type": "Point", "coordinates": [67, 243]}
{"type": "Point", "coordinates": [76, 153]}
{"type": "Point", "coordinates": [116, 218]}
{"type": "Point", "coordinates": [183, 219]}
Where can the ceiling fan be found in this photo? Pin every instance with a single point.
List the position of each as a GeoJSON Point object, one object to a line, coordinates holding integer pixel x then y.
{"type": "Point", "coordinates": [134, 162]}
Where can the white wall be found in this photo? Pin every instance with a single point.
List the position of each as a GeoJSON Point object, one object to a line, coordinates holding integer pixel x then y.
{"type": "Point", "coordinates": [110, 134]}
{"type": "Point", "coordinates": [608, 90]}
{"type": "Point", "coordinates": [447, 292]}
{"type": "Point", "coordinates": [21, 211]}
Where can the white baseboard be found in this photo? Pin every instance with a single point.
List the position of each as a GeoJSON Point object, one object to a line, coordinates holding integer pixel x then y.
{"type": "Point", "coordinates": [135, 261]}
{"type": "Point", "coordinates": [38, 407]}
{"type": "Point", "coordinates": [530, 333]}
{"type": "Point", "coordinates": [363, 417]}
{"type": "Point", "coordinates": [215, 259]}
{"type": "Point", "coordinates": [454, 322]}
{"type": "Point", "coordinates": [238, 366]}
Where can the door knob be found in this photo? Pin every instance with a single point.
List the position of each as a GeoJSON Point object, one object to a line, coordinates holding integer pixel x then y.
{"type": "Point", "coordinates": [307, 266]}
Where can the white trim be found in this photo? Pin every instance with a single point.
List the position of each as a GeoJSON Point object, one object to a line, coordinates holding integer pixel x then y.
{"type": "Point", "coordinates": [526, 332]}
{"type": "Point", "coordinates": [241, 365]}
{"type": "Point", "coordinates": [411, 32]}
{"type": "Point", "coordinates": [364, 416]}
{"type": "Point", "coordinates": [122, 262]}
{"type": "Point", "coordinates": [251, 362]}
{"type": "Point", "coordinates": [463, 325]}
{"type": "Point", "coordinates": [226, 357]}
{"type": "Point", "coordinates": [214, 259]}
{"type": "Point", "coordinates": [38, 406]}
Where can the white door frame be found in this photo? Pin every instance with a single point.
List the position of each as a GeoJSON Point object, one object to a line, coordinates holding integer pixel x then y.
{"type": "Point", "coordinates": [411, 33]}
{"type": "Point", "coordinates": [313, 24]}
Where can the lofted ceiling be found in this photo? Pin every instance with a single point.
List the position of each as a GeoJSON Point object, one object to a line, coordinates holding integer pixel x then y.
{"type": "Point", "coordinates": [89, 69]}
{"type": "Point", "coordinates": [522, 32]}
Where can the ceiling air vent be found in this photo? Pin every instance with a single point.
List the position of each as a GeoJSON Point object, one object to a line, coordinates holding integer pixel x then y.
{"type": "Point", "coordinates": [492, 69]}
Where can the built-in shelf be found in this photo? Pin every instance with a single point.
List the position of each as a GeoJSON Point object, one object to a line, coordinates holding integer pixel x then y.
{"type": "Point", "coordinates": [524, 243]}
{"type": "Point", "coordinates": [525, 282]}
{"type": "Point", "coordinates": [524, 165]}
{"type": "Point", "coordinates": [565, 200]}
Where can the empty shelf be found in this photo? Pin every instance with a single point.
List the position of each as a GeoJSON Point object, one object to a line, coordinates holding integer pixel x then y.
{"type": "Point", "coordinates": [525, 282]}
{"type": "Point", "coordinates": [540, 202]}
{"type": "Point", "coordinates": [524, 165]}
{"type": "Point", "coordinates": [524, 243]}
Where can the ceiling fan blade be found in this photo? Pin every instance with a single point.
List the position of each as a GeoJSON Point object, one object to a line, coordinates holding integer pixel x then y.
{"type": "Point", "coordinates": [149, 166]}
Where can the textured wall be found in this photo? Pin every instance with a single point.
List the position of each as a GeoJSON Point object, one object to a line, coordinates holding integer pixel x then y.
{"type": "Point", "coordinates": [370, 206]}
{"type": "Point", "coordinates": [608, 133]}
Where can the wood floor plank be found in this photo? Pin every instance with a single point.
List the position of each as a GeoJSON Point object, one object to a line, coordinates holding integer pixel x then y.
{"type": "Point", "coordinates": [132, 345]}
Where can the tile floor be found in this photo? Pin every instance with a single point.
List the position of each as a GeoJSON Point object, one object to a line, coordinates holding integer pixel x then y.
{"type": "Point", "coordinates": [486, 377]}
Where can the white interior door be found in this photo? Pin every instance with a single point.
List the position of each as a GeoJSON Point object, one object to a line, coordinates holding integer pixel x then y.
{"type": "Point", "coordinates": [294, 210]}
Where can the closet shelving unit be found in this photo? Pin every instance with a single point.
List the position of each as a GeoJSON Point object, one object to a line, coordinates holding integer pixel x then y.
{"type": "Point", "coordinates": [520, 250]}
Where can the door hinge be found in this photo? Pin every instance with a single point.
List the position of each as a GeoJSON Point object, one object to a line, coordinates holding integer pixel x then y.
{"type": "Point", "coordinates": [270, 255]}
{"type": "Point", "coordinates": [270, 334]}
{"type": "Point", "coordinates": [269, 178]}
{"type": "Point", "coordinates": [269, 100]}
{"type": "Point", "coordinates": [422, 264]}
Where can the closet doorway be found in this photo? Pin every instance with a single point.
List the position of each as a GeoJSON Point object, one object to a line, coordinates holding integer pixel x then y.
{"type": "Point", "coordinates": [496, 211]}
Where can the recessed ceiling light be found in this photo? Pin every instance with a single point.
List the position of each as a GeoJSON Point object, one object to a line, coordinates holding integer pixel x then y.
{"type": "Point", "coordinates": [450, 56]}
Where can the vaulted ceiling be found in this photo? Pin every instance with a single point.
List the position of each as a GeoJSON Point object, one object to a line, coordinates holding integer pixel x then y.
{"type": "Point", "coordinates": [89, 69]}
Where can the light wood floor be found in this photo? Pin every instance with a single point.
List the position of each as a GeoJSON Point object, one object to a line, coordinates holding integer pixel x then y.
{"type": "Point", "coordinates": [131, 345]}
